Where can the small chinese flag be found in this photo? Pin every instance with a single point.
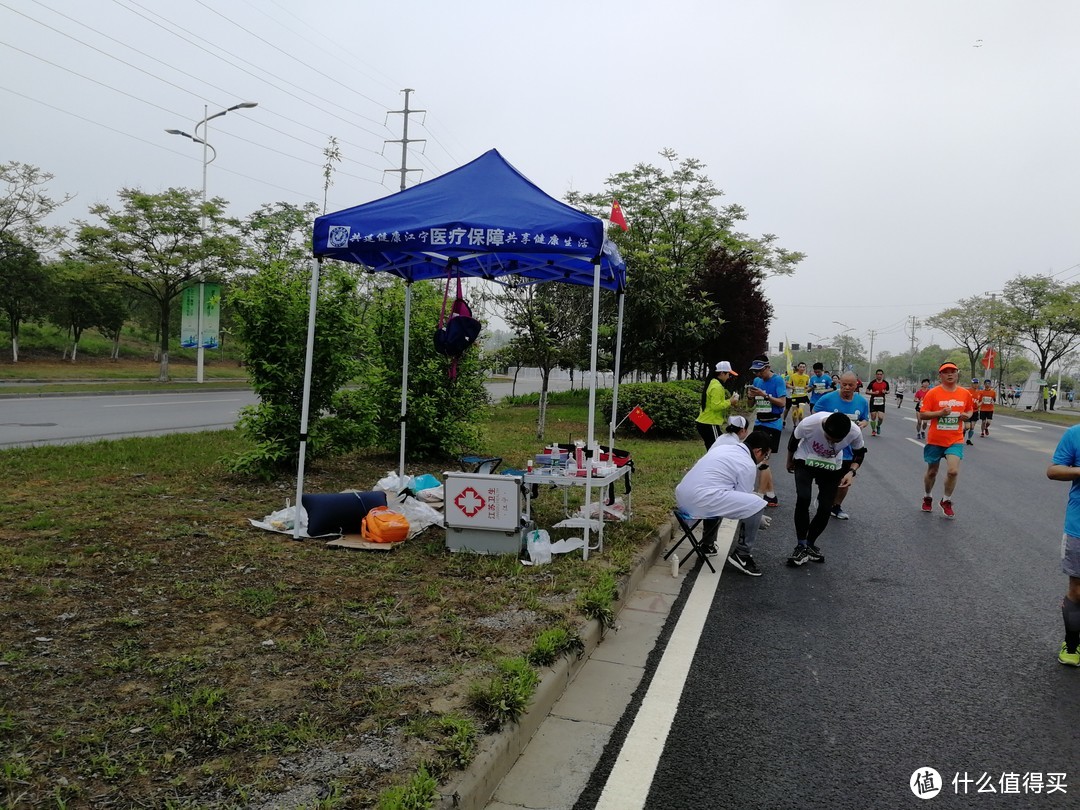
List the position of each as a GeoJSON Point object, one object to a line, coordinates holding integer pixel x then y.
{"type": "Point", "coordinates": [617, 217]}
{"type": "Point", "coordinates": [988, 359]}
{"type": "Point", "coordinates": [640, 418]}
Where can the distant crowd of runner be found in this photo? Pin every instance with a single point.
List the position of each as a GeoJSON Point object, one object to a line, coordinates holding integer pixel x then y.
{"type": "Point", "coordinates": [733, 479]}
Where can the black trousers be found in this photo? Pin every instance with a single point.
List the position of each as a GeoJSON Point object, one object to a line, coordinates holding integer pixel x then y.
{"type": "Point", "coordinates": [827, 482]}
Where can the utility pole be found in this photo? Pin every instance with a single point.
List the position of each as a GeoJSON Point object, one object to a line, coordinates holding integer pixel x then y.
{"type": "Point", "coordinates": [914, 325]}
{"type": "Point", "coordinates": [870, 366]}
{"type": "Point", "coordinates": [404, 140]}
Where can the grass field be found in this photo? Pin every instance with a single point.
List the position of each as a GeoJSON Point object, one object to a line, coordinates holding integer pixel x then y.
{"type": "Point", "coordinates": [156, 650]}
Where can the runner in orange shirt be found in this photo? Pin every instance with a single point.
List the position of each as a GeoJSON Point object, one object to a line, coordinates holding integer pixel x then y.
{"type": "Point", "coordinates": [947, 407]}
{"type": "Point", "coordinates": [987, 396]}
{"type": "Point", "coordinates": [974, 390]}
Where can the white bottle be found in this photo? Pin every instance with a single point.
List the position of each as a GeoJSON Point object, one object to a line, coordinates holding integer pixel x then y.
{"type": "Point", "coordinates": [674, 564]}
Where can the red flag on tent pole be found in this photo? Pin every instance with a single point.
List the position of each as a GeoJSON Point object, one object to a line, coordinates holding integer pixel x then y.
{"type": "Point", "coordinates": [640, 419]}
{"type": "Point", "coordinates": [988, 359]}
{"type": "Point", "coordinates": [617, 217]}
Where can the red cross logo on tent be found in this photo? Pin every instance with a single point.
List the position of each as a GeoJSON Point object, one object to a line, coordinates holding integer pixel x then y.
{"type": "Point", "coordinates": [469, 501]}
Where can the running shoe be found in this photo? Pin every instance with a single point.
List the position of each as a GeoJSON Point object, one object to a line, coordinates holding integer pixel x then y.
{"type": "Point", "coordinates": [814, 553]}
{"type": "Point", "coordinates": [710, 550]}
{"type": "Point", "coordinates": [772, 500]}
{"type": "Point", "coordinates": [969, 441]}
{"type": "Point", "coordinates": [839, 513]}
{"type": "Point", "coordinates": [946, 507]}
{"type": "Point", "coordinates": [928, 504]}
{"type": "Point", "coordinates": [798, 557]}
{"type": "Point", "coordinates": [744, 563]}
{"type": "Point", "coordinates": [1069, 659]}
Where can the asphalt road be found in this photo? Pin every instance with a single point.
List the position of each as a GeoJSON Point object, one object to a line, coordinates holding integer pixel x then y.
{"type": "Point", "coordinates": [27, 421]}
{"type": "Point", "coordinates": [920, 642]}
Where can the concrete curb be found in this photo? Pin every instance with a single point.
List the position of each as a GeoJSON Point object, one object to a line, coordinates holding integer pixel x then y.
{"type": "Point", "coordinates": [474, 788]}
{"type": "Point", "coordinates": [49, 394]}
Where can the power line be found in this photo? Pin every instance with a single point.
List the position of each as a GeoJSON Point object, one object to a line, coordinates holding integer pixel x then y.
{"type": "Point", "coordinates": [260, 76]}
{"type": "Point", "coordinates": [181, 72]}
{"type": "Point", "coordinates": [156, 145]}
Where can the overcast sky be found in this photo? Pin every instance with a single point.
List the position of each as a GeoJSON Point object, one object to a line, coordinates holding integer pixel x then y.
{"type": "Point", "coordinates": [918, 151]}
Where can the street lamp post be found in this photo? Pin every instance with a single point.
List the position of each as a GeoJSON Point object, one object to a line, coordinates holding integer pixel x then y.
{"type": "Point", "coordinates": [206, 161]}
{"type": "Point", "coordinates": [842, 342]}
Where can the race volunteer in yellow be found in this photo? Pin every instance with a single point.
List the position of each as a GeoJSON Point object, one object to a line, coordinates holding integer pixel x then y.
{"type": "Point", "coordinates": [716, 404]}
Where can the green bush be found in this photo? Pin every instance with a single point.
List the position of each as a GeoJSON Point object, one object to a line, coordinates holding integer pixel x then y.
{"type": "Point", "coordinates": [443, 413]}
{"type": "Point", "coordinates": [271, 311]}
{"type": "Point", "coordinates": [673, 407]}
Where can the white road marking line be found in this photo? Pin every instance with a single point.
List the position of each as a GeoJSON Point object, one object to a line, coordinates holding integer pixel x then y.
{"type": "Point", "coordinates": [1023, 428]}
{"type": "Point", "coordinates": [629, 781]}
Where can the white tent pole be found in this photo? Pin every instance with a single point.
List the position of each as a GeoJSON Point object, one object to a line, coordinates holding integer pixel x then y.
{"type": "Point", "coordinates": [615, 380]}
{"type": "Point", "coordinates": [405, 376]}
{"type": "Point", "coordinates": [592, 401]}
{"type": "Point", "coordinates": [313, 300]}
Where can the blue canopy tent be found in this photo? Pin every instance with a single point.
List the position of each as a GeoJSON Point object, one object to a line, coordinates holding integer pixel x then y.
{"type": "Point", "coordinates": [483, 220]}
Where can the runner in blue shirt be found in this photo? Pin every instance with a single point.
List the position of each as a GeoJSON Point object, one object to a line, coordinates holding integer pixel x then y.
{"type": "Point", "coordinates": [769, 392]}
{"type": "Point", "coordinates": [1066, 467]}
{"type": "Point", "coordinates": [820, 384]}
{"type": "Point", "coordinates": [857, 408]}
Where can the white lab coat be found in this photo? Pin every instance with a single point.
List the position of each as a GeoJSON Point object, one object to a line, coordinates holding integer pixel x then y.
{"type": "Point", "coordinates": [721, 484]}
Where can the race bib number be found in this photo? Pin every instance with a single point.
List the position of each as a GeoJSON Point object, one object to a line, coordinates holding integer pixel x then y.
{"type": "Point", "coordinates": [798, 391]}
{"type": "Point", "coordinates": [763, 405]}
{"type": "Point", "coordinates": [823, 463]}
{"type": "Point", "coordinates": [879, 400]}
{"type": "Point", "coordinates": [819, 388]}
{"type": "Point", "coordinates": [988, 400]}
{"type": "Point", "coordinates": [948, 422]}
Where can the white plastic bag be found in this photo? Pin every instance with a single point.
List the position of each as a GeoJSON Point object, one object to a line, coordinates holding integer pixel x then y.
{"type": "Point", "coordinates": [419, 514]}
{"type": "Point", "coordinates": [538, 544]}
{"type": "Point", "coordinates": [394, 483]}
{"type": "Point", "coordinates": [284, 520]}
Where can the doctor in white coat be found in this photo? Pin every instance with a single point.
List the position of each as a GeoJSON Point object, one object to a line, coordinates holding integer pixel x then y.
{"type": "Point", "coordinates": [721, 485]}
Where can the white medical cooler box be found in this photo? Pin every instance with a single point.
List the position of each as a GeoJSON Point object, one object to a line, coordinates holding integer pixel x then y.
{"type": "Point", "coordinates": [483, 513]}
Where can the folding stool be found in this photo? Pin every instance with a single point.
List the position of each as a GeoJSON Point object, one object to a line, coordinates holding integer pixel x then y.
{"type": "Point", "coordinates": [688, 523]}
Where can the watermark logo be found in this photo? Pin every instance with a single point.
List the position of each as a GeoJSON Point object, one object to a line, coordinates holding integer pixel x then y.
{"type": "Point", "coordinates": [925, 783]}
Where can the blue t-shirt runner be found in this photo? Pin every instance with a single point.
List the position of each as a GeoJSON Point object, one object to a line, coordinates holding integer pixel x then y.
{"type": "Point", "coordinates": [820, 384]}
{"type": "Point", "coordinates": [857, 409]}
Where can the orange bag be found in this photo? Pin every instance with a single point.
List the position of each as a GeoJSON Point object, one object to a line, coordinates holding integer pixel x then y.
{"type": "Point", "coordinates": [380, 525]}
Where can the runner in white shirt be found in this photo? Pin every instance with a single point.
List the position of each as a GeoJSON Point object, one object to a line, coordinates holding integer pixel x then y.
{"type": "Point", "coordinates": [815, 455]}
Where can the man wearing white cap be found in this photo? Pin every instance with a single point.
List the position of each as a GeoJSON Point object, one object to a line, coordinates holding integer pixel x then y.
{"type": "Point", "coordinates": [715, 403]}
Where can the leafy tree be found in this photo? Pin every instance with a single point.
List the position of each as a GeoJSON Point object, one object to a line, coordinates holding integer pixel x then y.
{"type": "Point", "coordinates": [82, 297]}
{"type": "Point", "coordinates": [23, 283]}
{"type": "Point", "coordinates": [25, 203]}
{"type": "Point", "coordinates": [160, 244]}
{"type": "Point", "coordinates": [971, 323]}
{"type": "Point", "coordinates": [1044, 314]}
{"type": "Point", "coordinates": [549, 320]}
{"type": "Point", "coordinates": [443, 413]}
{"type": "Point", "coordinates": [278, 232]}
{"type": "Point", "coordinates": [675, 224]}
{"type": "Point", "coordinates": [740, 328]}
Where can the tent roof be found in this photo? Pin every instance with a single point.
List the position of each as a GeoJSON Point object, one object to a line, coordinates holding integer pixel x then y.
{"type": "Point", "coordinates": [485, 217]}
